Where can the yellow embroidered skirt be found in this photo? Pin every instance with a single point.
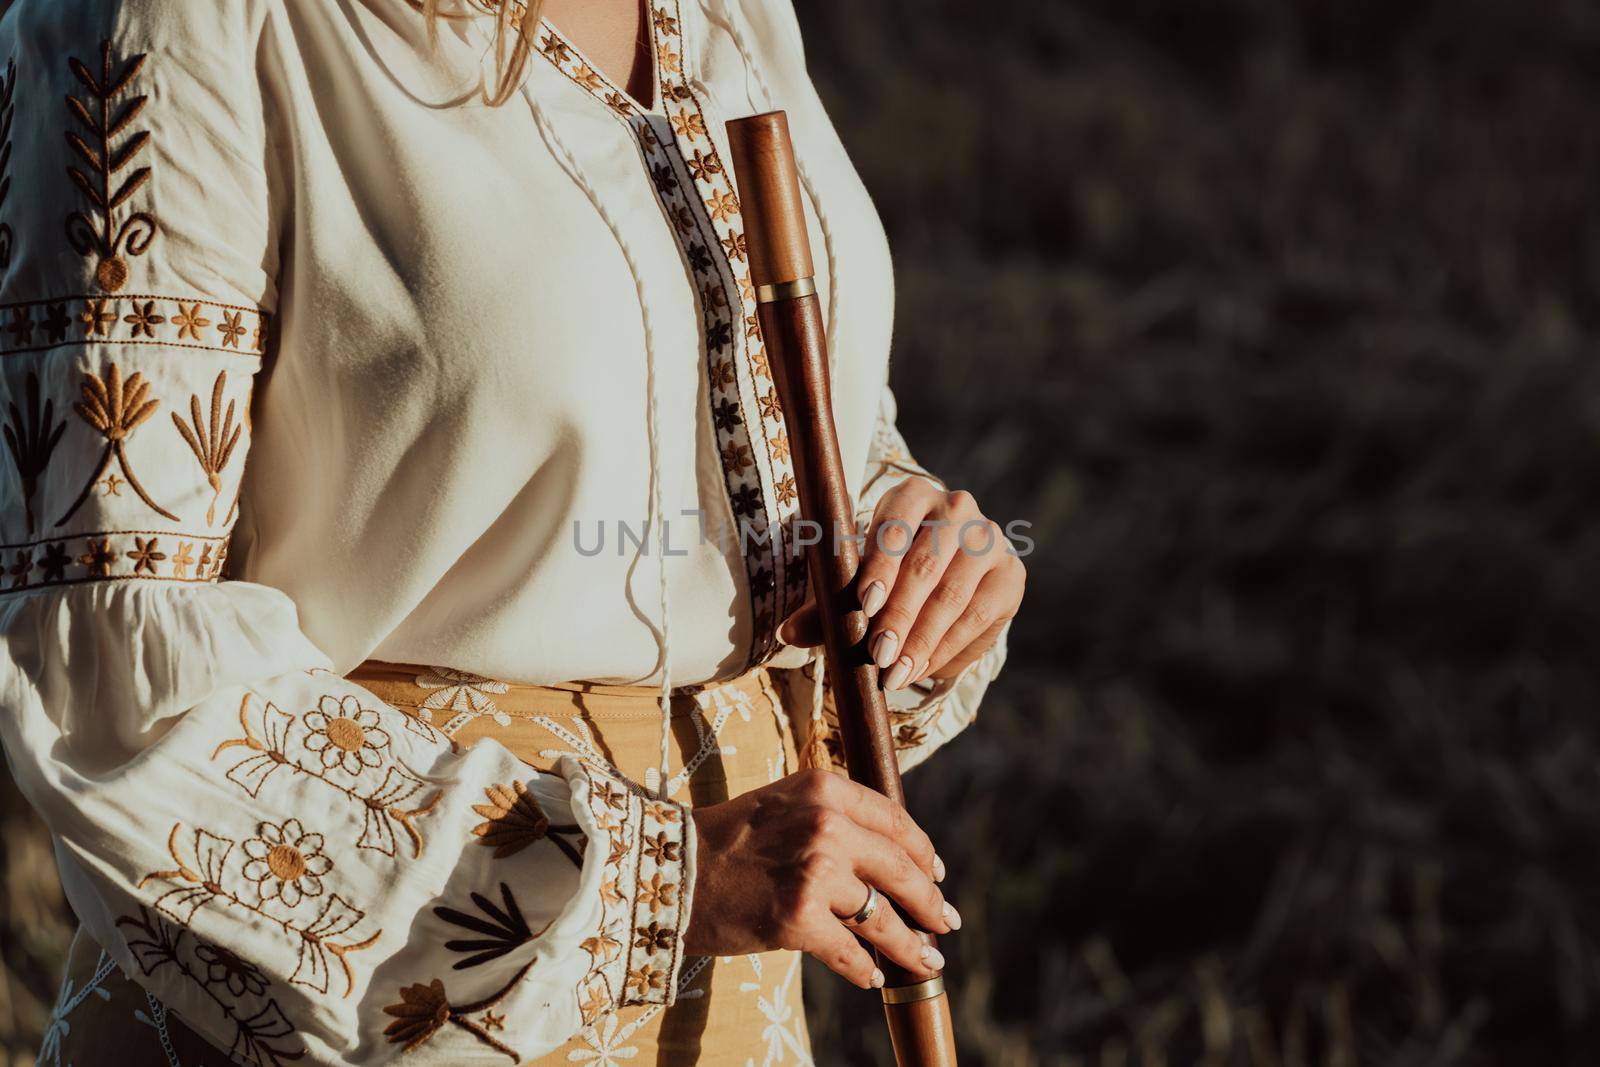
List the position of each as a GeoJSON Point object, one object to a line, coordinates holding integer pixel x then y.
{"type": "Point", "coordinates": [726, 739]}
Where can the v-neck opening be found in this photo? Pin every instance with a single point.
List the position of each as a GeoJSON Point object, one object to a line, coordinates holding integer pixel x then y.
{"type": "Point", "coordinates": [655, 106]}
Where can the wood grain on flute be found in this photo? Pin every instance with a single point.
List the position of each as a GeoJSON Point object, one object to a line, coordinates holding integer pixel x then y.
{"type": "Point", "coordinates": [792, 328]}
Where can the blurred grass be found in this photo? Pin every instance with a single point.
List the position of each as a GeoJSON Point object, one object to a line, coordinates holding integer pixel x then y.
{"type": "Point", "coordinates": [1277, 320]}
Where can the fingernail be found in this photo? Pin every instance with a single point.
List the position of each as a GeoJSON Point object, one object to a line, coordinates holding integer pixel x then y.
{"type": "Point", "coordinates": [932, 958]}
{"type": "Point", "coordinates": [938, 872]}
{"type": "Point", "coordinates": [874, 598]}
{"type": "Point", "coordinates": [884, 647]}
{"type": "Point", "coordinates": [877, 978]}
{"type": "Point", "coordinates": [952, 917]}
{"type": "Point", "coordinates": [901, 672]}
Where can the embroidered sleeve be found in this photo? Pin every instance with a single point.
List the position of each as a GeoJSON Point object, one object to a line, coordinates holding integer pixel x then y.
{"type": "Point", "coordinates": [300, 870]}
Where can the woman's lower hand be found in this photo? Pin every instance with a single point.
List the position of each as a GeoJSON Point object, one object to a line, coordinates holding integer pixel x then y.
{"type": "Point", "coordinates": [938, 580]}
{"type": "Point", "coordinates": [779, 868]}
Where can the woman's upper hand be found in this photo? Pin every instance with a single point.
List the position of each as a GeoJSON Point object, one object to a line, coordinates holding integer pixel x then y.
{"type": "Point", "coordinates": [779, 866]}
{"type": "Point", "coordinates": [938, 579]}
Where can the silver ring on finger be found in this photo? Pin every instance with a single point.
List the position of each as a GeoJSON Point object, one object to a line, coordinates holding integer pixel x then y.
{"type": "Point", "coordinates": [864, 912]}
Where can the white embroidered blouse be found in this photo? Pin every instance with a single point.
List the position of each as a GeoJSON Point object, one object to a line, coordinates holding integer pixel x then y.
{"type": "Point", "coordinates": [310, 356]}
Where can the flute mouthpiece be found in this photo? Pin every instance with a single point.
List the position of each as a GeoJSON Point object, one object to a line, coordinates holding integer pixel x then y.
{"type": "Point", "coordinates": [770, 200]}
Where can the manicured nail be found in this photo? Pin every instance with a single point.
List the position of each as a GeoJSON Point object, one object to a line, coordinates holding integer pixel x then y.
{"type": "Point", "coordinates": [932, 958]}
{"type": "Point", "coordinates": [884, 648]}
{"type": "Point", "coordinates": [952, 917]}
{"type": "Point", "coordinates": [874, 597]}
{"type": "Point", "coordinates": [899, 674]}
{"type": "Point", "coordinates": [938, 873]}
{"type": "Point", "coordinates": [877, 978]}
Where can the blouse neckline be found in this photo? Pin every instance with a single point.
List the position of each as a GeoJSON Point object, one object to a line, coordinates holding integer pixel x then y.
{"type": "Point", "coordinates": [590, 76]}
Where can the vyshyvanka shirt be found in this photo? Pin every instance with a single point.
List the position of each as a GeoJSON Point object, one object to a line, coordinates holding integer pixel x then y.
{"type": "Point", "coordinates": [310, 357]}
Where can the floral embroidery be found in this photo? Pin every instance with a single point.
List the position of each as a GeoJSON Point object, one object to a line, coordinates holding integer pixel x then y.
{"type": "Point", "coordinates": [346, 734]}
{"type": "Point", "coordinates": [212, 446]}
{"type": "Point", "coordinates": [142, 319]}
{"type": "Point", "coordinates": [32, 440]}
{"type": "Point", "coordinates": [464, 695]}
{"type": "Point", "coordinates": [513, 820]}
{"type": "Point", "coordinates": [262, 1035]}
{"type": "Point", "coordinates": [501, 929]}
{"type": "Point", "coordinates": [204, 876]}
{"type": "Point", "coordinates": [286, 862]}
{"type": "Point", "coordinates": [115, 409]}
{"type": "Point", "coordinates": [341, 735]}
{"type": "Point", "coordinates": [226, 969]}
{"type": "Point", "coordinates": [105, 159]}
{"type": "Point", "coordinates": [424, 1010]}
{"type": "Point", "coordinates": [645, 896]}
{"type": "Point", "coordinates": [116, 555]}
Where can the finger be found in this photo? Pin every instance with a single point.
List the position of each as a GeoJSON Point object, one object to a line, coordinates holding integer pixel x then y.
{"type": "Point", "coordinates": [879, 862]}
{"type": "Point", "coordinates": [920, 572]}
{"type": "Point", "coordinates": [894, 525]}
{"type": "Point", "coordinates": [887, 932]}
{"type": "Point", "coordinates": [844, 955]}
{"type": "Point", "coordinates": [871, 810]}
{"type": "Point", "coordinates": [803, 629]}
{"type": "Point", "coordinates": [991, 606]}
{"type": "Point", "coordinates": [945, 606]}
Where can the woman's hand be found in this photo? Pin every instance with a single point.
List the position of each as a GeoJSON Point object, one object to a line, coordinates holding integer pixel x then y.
{"type": "Point", "coordinates": [778, 866]}
{"type": "Point", "coordinates": [938, 579]}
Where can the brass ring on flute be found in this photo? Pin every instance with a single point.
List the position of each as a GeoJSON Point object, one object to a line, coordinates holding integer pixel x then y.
{"type": "Point", "coordinates": [766, 294]}
{"type": "Point", "coordinates": [864, 912]}
{"type": "Point", "coordinates": [908, 994]}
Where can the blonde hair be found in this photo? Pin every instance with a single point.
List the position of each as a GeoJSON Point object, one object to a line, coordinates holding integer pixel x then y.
{"type": "Point", "coordinates": [516, 22]}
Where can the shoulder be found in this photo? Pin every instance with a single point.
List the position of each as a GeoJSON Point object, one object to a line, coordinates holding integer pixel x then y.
{"type": "Point", "coordinates": [205, 37]}
{"type": "Point", "coordinates": [776, 27]}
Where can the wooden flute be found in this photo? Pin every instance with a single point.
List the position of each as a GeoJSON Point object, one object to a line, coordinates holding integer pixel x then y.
{"type": "Point", "coordinates": [917, 1008]}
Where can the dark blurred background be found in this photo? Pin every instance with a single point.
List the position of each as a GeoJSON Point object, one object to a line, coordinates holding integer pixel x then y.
{"type": "Point", "coordinates": [1277, 320]}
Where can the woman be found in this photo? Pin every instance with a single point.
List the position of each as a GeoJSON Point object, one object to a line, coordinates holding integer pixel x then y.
{"type": "Point", "coordinates": [401, 739]}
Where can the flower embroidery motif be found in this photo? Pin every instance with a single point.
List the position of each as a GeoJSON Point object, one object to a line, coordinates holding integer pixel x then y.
{"type": "Point", "coordinates": [225, 968]}
{"type": "Point", "coordinates": [274, 741]}
{"type": "Point", "coordinates": [345, 734]}
{"type": "Point", "coordinates": [206, 875]}
{"type": "Point", "coordinates": [425, 1010]}
{"type": "Point", "coordinates": [263, 1036]}
{"type": "Point", "coordinates": [513, 820]}
{"type": "Point", "coordinates": [463, 695]}
{"type": "Point", "coordinates": [286, 862]}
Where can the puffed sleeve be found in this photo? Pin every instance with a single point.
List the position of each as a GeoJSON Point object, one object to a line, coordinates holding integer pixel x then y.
{"type": "Point", "coordinates": [925, 714]}
{"type": "Point", "coordinates": [301, 871]}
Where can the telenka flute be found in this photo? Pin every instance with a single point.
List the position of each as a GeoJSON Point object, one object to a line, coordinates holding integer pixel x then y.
{"type": "Point", "coordinates": [917, 1008]}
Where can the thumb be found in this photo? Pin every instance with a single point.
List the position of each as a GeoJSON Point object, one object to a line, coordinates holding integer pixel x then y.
{"type": "Point", "coordinates": [804, 628]}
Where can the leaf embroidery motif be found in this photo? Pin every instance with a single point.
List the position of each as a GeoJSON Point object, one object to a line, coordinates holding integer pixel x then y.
{"type": "Point", "coordinates": [8, 115]}
{"type": "Point", "coordinates": [502, 929]}
{"type": "Point", "coordinates": [212, 444]}
{"type": "Point", "coordinates": [115, 409]}
{"type": "Point", "coordinates": [32, 440]}
{"type": "Point", "coordinates": [102, 159]}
